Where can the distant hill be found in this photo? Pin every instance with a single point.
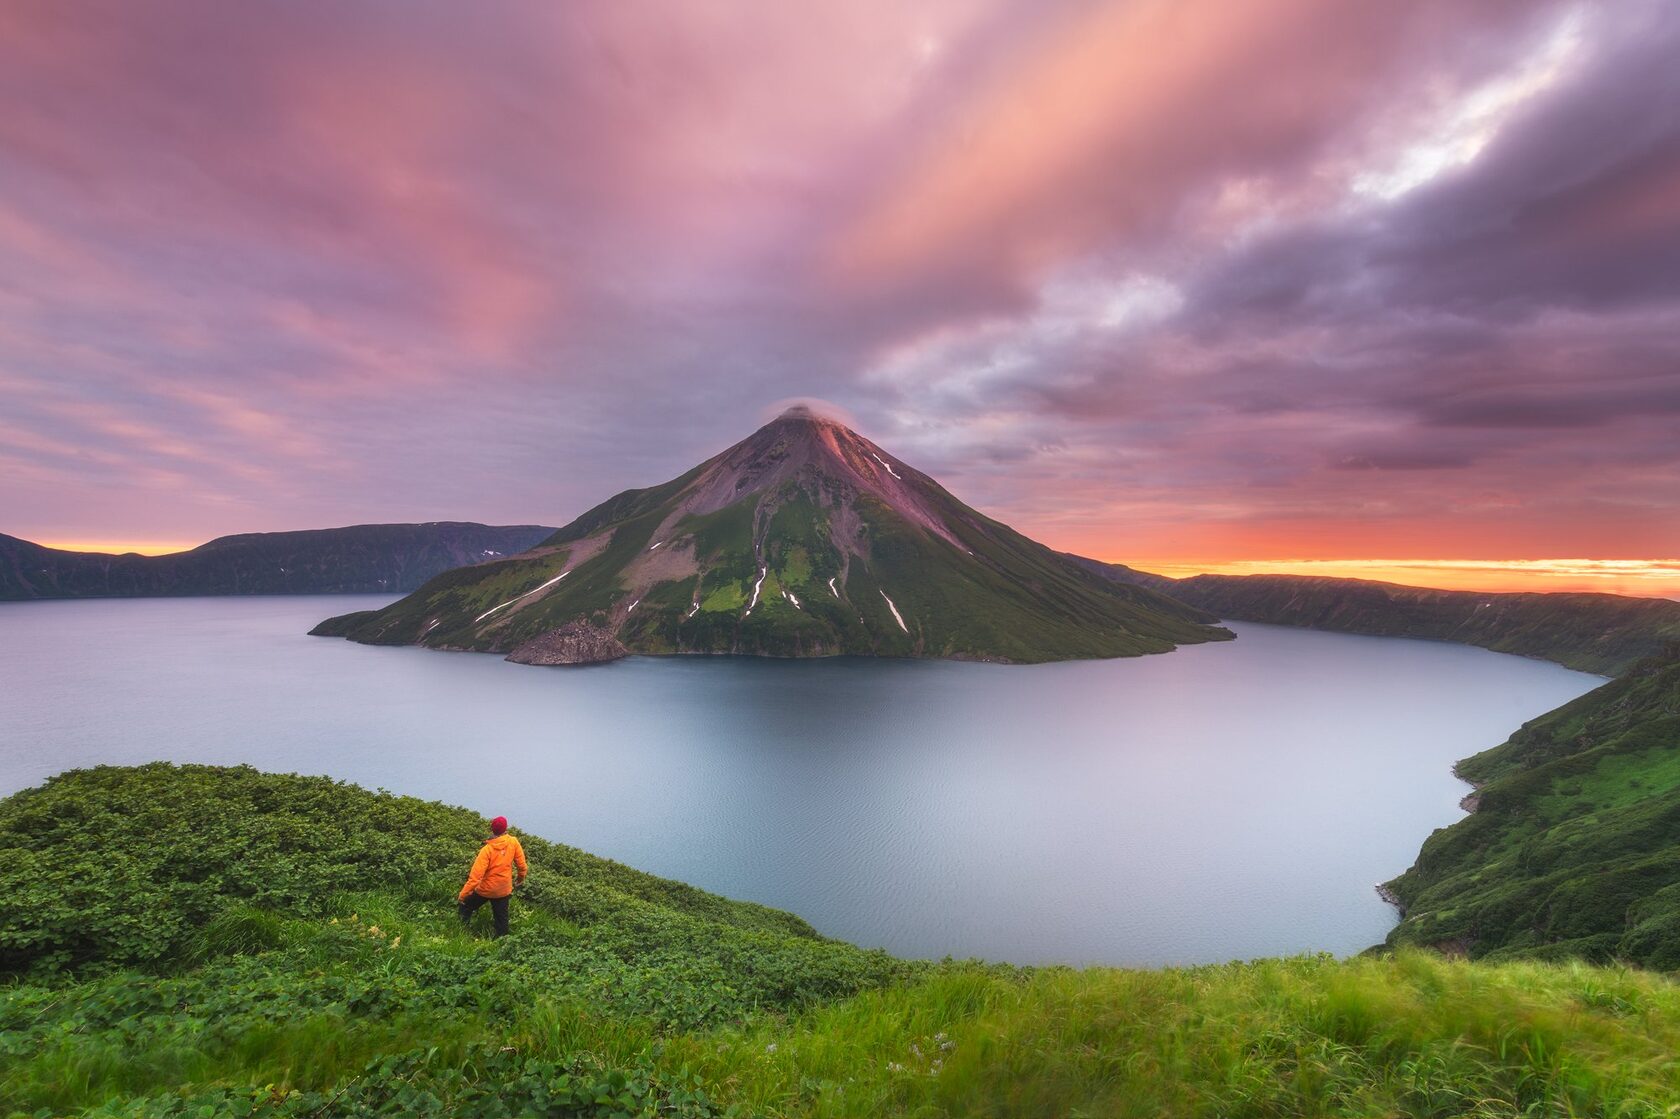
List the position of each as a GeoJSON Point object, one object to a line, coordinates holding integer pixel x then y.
{"type": "Point", "coordinates": [357, 559]}
{"type": "Point", "coordinates": [804, 539]}
{"type": "Point", "coordinates": [1602, 633]}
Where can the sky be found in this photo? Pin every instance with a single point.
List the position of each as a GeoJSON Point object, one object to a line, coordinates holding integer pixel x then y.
{"type": "Point", "coordinates": [1390, 289]}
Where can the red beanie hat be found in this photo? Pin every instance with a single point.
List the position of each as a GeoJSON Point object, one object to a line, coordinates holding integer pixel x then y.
{"type": "Point", "coordinates": [498, 825]}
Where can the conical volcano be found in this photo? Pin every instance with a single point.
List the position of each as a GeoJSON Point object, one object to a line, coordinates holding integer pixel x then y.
{"type": "Point", "coordinates": [804, 539]}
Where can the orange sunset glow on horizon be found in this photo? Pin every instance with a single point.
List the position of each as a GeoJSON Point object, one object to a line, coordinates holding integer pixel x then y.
{"type": "Point", "coordinates": [1637, 577]}
{"type": "Point", "coordinates": [1640, 578]}
{"type": "Point", "coordinates": [1378, 291]}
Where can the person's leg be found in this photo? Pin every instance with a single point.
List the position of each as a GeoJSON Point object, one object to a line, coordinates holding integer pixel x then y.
{"type": "Point", "coordinates": [470, 906]}
{"type": "Point", "coordinates": [499, 910]}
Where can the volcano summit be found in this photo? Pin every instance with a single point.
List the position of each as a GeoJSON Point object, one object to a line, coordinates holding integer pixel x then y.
{"type": "Point", "coordinates": [804, 539]}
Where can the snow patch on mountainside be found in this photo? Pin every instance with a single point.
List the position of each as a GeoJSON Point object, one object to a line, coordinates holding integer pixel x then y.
{"type": "Point", "coordinates": [762, 572]}
{"type": "Point", "coordinates": [516, 598]}
{"type": "Point", "coordinates": [899, 618]}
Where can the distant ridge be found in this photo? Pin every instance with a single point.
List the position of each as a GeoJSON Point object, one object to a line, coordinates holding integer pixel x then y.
{"type": "Point", "coordinates": [1602, 633]}
{"type": "Point", "coordinates": [804, 539]}
{"type": "Point", "coordinates": [391, 558]}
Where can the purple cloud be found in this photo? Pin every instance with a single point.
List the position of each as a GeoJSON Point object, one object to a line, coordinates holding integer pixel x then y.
{"type": "Point", "coordinates": [1149, 279]}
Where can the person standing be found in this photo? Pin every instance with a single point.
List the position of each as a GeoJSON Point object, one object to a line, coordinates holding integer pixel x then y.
{"type": "Point", "coordinates": [492, 878]}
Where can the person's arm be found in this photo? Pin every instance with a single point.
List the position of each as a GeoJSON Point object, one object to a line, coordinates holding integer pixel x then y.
{"type": "Point", "coordinates": [519, 860]}
{"type": "Point", "coordinates": [480, 865]}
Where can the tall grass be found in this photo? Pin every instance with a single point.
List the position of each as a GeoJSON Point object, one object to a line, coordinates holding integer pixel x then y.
{"type": "Point", "coordinates": [1415, 1035]}
{"type": "Point", "coordinates": [297, 989]}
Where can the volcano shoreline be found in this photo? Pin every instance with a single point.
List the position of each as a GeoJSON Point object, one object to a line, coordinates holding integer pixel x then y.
{"type": "Point", "coordinates": [803, 540]}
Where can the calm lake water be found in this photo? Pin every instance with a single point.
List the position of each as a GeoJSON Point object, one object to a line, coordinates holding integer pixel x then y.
{"type": "Point", "coordinates": [1224, 801]}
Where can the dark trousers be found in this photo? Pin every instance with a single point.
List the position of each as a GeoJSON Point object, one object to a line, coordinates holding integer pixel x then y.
{"type": "Point", "coordinates": [498, 910]}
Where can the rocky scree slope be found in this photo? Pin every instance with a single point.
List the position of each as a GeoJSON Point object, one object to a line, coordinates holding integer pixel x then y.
{"type": "Point", "coordinates": [805, 539]}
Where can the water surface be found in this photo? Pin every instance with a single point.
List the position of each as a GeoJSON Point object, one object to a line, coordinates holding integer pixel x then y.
{"type": "Point", "coordinates": [1224, 801]}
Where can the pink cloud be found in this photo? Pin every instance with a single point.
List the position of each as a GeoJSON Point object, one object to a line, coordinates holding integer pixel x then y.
{"type": "Point", "coordinates": [1122, 273]}
{"type": "Point", "coordinates": [1118, 118]}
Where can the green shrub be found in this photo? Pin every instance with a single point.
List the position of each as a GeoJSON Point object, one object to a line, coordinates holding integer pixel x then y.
{"type": "Point", "coordinates": [625, 995]}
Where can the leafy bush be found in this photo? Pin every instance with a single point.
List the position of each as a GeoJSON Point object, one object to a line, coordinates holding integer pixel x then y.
{"type": "Point", "coordinates": [140, 866]}
{"type": "Point", "coordinates": [300, 983]}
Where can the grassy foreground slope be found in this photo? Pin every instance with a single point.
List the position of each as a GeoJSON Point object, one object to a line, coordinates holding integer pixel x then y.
{"type": "Point", "coordinates": [208, 941]}
{"type": "Point", "coordinates": [1574, 847]}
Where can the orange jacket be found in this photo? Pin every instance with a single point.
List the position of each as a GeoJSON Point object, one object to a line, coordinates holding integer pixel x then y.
{"type": "Point", "coordinates": [492, 871]}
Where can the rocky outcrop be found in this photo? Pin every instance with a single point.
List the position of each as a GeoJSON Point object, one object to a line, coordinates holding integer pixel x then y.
{"type": "Point", "coordinates": [572, 643]}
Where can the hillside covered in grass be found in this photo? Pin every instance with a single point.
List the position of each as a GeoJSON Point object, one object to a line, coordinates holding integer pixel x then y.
{"type": "Point", "coordinates": [1602, 633]}
{"type": "Point", "coordinates": [212, 941]}
{"type": "Point", "coordinates": [1574, 847]}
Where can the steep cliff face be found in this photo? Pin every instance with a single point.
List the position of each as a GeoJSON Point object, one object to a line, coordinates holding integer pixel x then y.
{"type": "Point", "coordinates": [358, 559]}
{"type": "Point", "coordinates": [804, 539]}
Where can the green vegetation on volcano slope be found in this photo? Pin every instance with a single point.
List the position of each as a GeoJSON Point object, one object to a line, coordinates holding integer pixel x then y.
{"type": "Point", "coordinates": [205, 941]}
{"type": "Point", "coordinates": [1602, 633]}
{"type": "Point", "coordinates": [1001, 596]}
{"type": "Point", "coordinates": [804, 539]}
{"type": "Point", "coordinates": [1574, 847]}
{"type": "Point", "coordinates": [1021, 600]}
